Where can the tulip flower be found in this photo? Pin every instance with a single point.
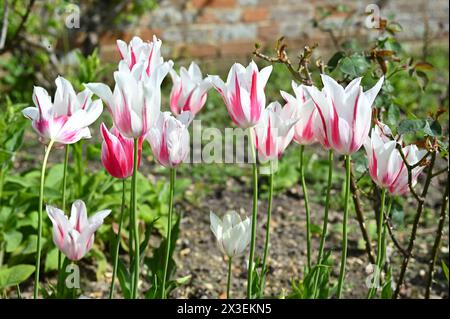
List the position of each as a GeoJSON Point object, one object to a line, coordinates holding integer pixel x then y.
{"type": "Point", "coordinates": [63, 121]}
{"type": "Point", "coordinates": [66, 120]}
{"type": "Point", "coordinates": [306, 112]}
{"type": "Point", "coordinates": [142, 58]}
{"type": "Point", "coordinates": [244, 97]}
{"type": "Point", "coordinates": [344, 117]}
{"type": "Point", "coordinates": [233, 236]}
{"type": "Point", "coordinates": [243, 93]}
{"type": "Point", "coordinates": [304, 135]}
{"type": "Point", "coordinates": [389, 171]}
{"type": "Point", "coordinates": [117, 153]}
{"type": "Point", "coordinates": [386, 166]}
{"type": "Point", "coordinates": [232, 233]}
{"type": "Point", "coordinates": [135, 104]}
{"type": "Point", "coordinates": [344, 114]}
{"type": "Point", "coordinates": [275, 130]}
{"type": "Point", "coordinates": [189, 90]}
{"type": "Point", "coordinates": [169, 139]}
{"type": "Point", "coordinates": [75, 236]}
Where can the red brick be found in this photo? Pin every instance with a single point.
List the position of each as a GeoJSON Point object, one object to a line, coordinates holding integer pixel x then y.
{"type": "Point", "coordinates": [147, 34]}
{"type": "Point", "coordinates": [269, 32]}
{"type": "Point", "coordinates": [207, 16]}
{"type": "Point", "coordinates": [212, 3]}
{"type": "Point", "coordinates": [109, 53]}
{"type": "Point", "coordinates": [255, 14]}
{"type": "Point", "coordinates": [237, 48]}
{"type": "Point", "coordinates": [201, 51]}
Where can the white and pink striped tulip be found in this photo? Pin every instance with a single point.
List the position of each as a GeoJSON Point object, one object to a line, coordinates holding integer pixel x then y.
{"type": "Point", "coordinates": [275, 130]}
{"type": "Point", "coordinates": [134, 105]}
{"type": "Point", "coordinates": [243, 93]}
{"type": "Point", "coordinates": [344, 115]}
{"type": "Point", "coordinates": [117, 153]}
{"type": "Point", "coordinates": [74, 237]}
{"type": "Point", "coordinates": [67, 119]}
{"type": "Point", "coordinates": [189, 90]}
{"type": "Point", "coordinates": [169, 139]}
{"type": "Point", "coordinates": [146, 56]}
{"type": "Point", "coordinates": [306, 112]}
{"type": "Point", "coordinates": [386, 166]}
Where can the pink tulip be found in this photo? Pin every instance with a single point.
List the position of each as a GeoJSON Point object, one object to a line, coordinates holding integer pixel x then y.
{"type": "Point", "coordinates": [169, 139]}
{"type": "Point", "coordinates": [243, 93]}
{"type": "Point", "coordinates": [274, 131]}
{"type": "Point", "coordinates": [386, 166]}
{"type": "Point", "coordinates": [143, 55]}
{"type": "Point", "coordinates": [75, 236]}
{"type": "Point", "coordinates": [344, 115]}
{"type": "Point", "coordinates": [189, 90]}
{"type": "Point", "coordinates": [66, 120]}
{"type": "Point", "coordinates": [306, 112]}
{"type": "Point", "coordinates": [135, 104]}
{"type": "Point", "coordinates": [117, 153]}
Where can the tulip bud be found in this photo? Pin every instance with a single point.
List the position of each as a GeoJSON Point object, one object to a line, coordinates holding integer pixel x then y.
{"type": "Point", "coordinates": [117, 153]}
{"type": "Point", "coordinates": [232, 234]}
{"type": "Point", "coordinates": [274, 131]}
{"type": "Point", "coordinates": [74, 237]}
{"type": "Point", "coordinates": [306, 112]}
{"type": "Point", "coordinates": [386, 166]}
{"type": "Point", "coordinates": [189, 90]}
{"type": "Point", "coordinates": [344, 115]}
{"type": "Point", "coordinates": [169, 139]}
{"type": "Point", "coordinates": [243, 93]}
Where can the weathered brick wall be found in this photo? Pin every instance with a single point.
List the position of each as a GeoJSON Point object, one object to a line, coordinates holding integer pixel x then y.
{"type": "Point", "coordinates": [212, 29]}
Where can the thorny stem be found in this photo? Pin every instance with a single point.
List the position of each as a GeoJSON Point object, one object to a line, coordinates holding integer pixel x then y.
{"type": "Point", "coordinates": [360, 216]}
{"type": "Point", "coordinates": [437, 242]}
{"type": "Point", "coordinates": [39, 235]}
{"type": "Point", "coordinates": [421, 203]}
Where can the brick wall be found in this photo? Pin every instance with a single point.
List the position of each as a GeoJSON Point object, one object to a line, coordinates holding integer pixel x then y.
{"type": "Point", "coordinates": [227, 29]}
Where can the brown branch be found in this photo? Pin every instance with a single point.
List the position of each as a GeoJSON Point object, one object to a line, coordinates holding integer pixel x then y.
{"type": "Point", "coordinates": [286, 62]}
{"type": "Point", "coordinates": [301, 72]}
{"type": "Point", "coordinates": [4, 30]}
{"type": "Point", "coordinates": [360, 216]}
{"type": "Point", "coordinates": [15, 37]}
{"type": "Point", "coordinates": [421, 202]}
{"type": "Point", "coordinates": [440, 172]}
{"type": "Point", "coordinates": [394, 239]}
{"type": "Point", "coordinates": [437, 242]}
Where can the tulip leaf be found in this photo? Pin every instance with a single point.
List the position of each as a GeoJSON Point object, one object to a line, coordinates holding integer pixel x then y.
{"type": "Point", "coordinates": [13, 239]}
{"type": "Point", "coordinates": [51, 260]}
{"type": "Point", "coordinates": [15, 275]}
{"type": "Point", "coordinates": [444, 269]}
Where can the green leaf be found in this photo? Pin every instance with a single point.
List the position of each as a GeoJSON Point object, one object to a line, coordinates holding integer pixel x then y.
{"type": "Point", "coordinates": [354, 66]}
{"type": "Point", "coordinates": [51, 260]}
{"type": "Point", "coordinates": [445, 269]}
{"type": "Point", "coordinates": [15, 275]}
{"type": "Point", "coordinates": [13, 239]}
{"type": "Point", "coordinates": [424, 126]}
